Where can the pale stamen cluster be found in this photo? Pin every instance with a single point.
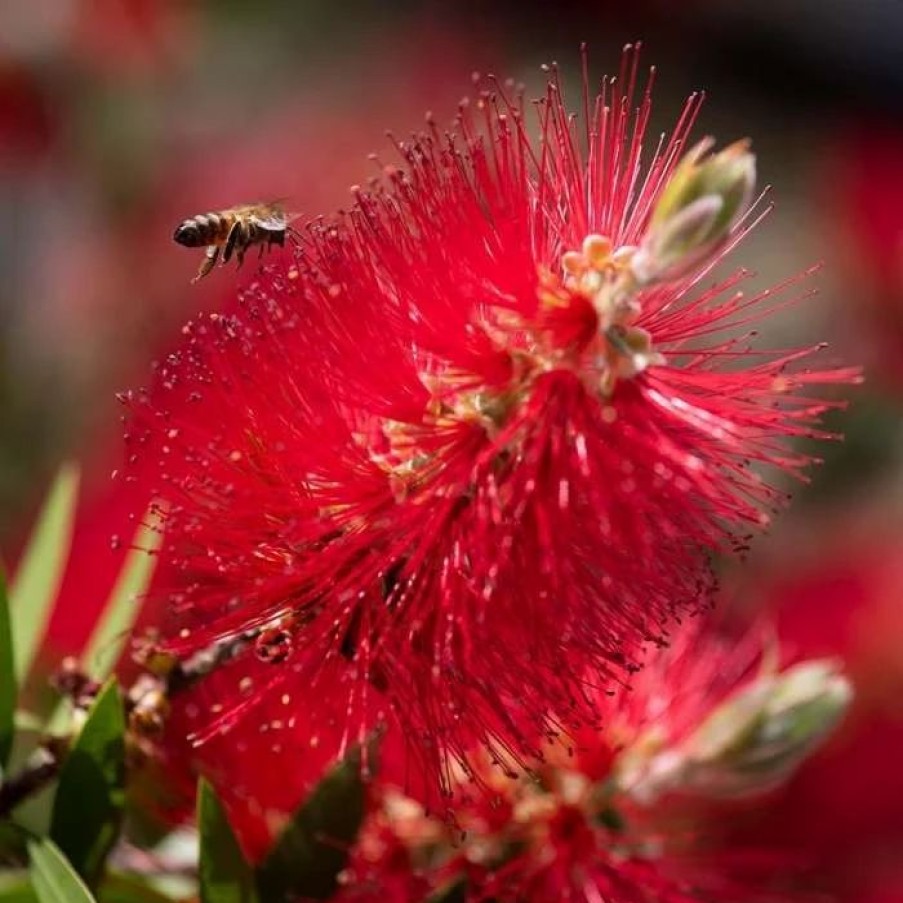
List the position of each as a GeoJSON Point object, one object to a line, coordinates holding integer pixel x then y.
{"type": "Point", "coordinates": [605, 275]}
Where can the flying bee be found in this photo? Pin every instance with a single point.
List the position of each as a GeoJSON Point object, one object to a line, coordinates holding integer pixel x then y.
{"type": "Point", "coordinates": [234, 231]}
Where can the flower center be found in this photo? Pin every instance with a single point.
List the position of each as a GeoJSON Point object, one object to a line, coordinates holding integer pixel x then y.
{"type": "Point", "coordinates": [585, 323]}
{"type": "Point", "coordinates": [604, 277]}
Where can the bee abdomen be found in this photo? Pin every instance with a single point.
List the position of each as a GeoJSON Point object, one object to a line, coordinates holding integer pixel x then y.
{"type": "Point", "coordinates": [214, 226]}
{"type": "Point", "coordinates": [205, 229]}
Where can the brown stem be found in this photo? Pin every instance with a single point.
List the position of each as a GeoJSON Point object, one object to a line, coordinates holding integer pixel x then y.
{"type": "Point", "coordinates": [184, 674]}
{"type": "Point", "coordinates": [41, 768]}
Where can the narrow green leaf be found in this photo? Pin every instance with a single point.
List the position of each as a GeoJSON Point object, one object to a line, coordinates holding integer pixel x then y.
{"type": "Point", "coordinates": [313, 847]}
{"type": "Point", "coordinates": [122, 606]}
{"type": "Point", "coordinates": [89, 799]}
{"type": "Point", "coordinates": [12, 843]}
{"type": "Point", "coordinates": [121, 888]}
{"type": "Point", "coordinates": [41, 569]}
{"type": "Point", "coordinates": [8, 683]}
{"type": "Point", "coordinates": [223, 873]}
{"type": "Point", "coordinates": [53, 878]}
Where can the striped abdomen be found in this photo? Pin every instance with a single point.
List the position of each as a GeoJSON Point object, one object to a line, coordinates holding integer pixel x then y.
{"type": "Point", "coordinates": [204, 230]}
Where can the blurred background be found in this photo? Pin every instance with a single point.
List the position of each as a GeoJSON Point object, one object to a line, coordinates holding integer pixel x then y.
{"type": "Point", "coordinates": [118, 118]}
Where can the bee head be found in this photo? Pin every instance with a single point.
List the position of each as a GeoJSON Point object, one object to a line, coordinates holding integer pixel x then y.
{"type": "Point", "coordinates": [188, 234]}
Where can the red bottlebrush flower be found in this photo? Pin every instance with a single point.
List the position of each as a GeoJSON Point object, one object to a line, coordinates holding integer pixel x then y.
{"type": "Point", "coordinates": [477, 441]}
{"type": "Point", "coordinates": [577, 831]}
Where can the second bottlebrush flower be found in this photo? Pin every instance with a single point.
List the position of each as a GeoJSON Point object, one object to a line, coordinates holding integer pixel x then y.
{"type": "Point", "coordinates": [452, 465]}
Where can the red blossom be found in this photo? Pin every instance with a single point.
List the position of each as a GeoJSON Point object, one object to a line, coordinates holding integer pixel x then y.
{"type": "Point", "coordinates": [575, 831]}
{"type": "Point", "coordinates": [417, 476]}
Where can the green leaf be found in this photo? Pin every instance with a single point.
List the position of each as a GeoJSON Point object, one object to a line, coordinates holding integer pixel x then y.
{"type": "Point", "coordinates": [89, 800]}
{"type": "Point", "coordinates": [121, 888]}
{"type": "Point", "coordinates": [122, 607]}
{"type": "Point", "coordinates": [313, 846]}
{"type": "Point", "coordinates": [8, 684]}
{"type": "Point", "coordinates": [224, 875]}
{"type": "Point", "coordinates": [12, 843]}
{"type": "Point", "coordinates": [41, 570]}
{"type": "Point", "coordinates": [53, 878]}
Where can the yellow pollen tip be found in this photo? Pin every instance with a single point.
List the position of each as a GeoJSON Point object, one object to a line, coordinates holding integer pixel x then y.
{"type": "Point", "coordinates": [549, 298]}
{"type": "Point", "coordinates": [780, 384]}
{"type": "Point", "coordinates": [572, 262]}
{"type": "Point", "coordinates": [597, 251]}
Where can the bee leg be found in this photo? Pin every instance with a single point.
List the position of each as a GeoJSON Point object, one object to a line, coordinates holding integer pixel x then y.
{"type": "Point", "coordinates": [243, 242]}
{"type": "Point", "coordinates": [231, 240]}
{"type": "Point", "coordinates": [208, 263]}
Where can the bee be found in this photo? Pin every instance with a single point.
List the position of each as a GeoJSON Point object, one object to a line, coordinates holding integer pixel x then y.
{"type": "Point", "coordinates": [234, 231]}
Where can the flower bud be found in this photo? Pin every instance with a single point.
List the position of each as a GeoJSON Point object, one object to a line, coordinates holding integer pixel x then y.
{"type": "Point", "coordinates": [756, 739]}
{"type": "Point", "coordinates": [753, 741]}
{"type": "Point", "coordinates": [705, 197]}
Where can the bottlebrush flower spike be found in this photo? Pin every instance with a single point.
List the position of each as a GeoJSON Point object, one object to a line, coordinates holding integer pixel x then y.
{"type": "Point", "coordinates": [456, 457]}
{"type": "Point", "coordinates": [579, 829]}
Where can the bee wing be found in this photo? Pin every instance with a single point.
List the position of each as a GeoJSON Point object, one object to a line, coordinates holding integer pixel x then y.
{"type": "Point", "coordinates": [279, 208]}
{"type": "Point", "coordinates": [272, 223]}
{"type": "Point", "coordinates": [268, 215]}
{"type": "Point", "coordinates": [260, 209]}
{"type": "Point", "coordinates": [274, 217]}
{"type": "Point", "coordinates": [271, 209]}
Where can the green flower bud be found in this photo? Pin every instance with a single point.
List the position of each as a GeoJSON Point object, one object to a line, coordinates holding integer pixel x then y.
{"type": "Point", "coordinates": [749, 744]}
{"type": "Point", "coordinates": [705, 197]}
{"type": "Point", "coordinates": [756, 739]}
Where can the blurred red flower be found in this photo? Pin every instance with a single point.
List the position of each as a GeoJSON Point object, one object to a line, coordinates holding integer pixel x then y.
{"type": "Point", "coordinates": [835, 590]}
{"type": "Point", "coordinates": [113, 37]}
{"type": "Point", "coordinates": [863, 208]}
{"type": "Point", "coordinates": [27, 123]}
